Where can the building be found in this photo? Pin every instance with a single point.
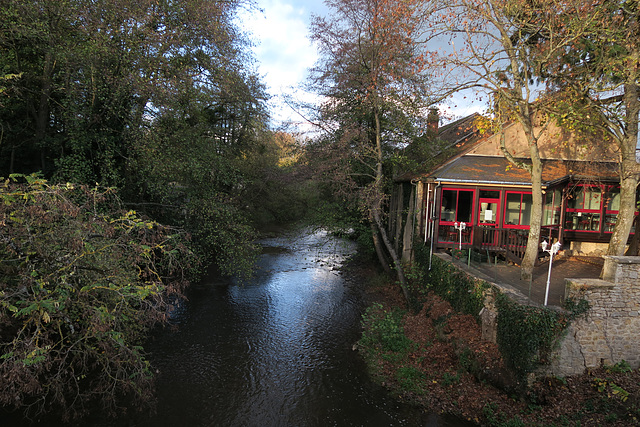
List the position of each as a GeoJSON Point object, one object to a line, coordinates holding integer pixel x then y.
{"type": "Point", "coordinates": [474, 198]}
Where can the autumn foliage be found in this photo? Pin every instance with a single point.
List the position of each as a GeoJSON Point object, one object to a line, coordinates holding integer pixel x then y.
{"type": "Point", "coordinates": [81, 281]}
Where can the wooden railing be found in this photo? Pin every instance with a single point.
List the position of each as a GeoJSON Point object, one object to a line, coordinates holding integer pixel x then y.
{"type": "Point", "coordinates": [510, 241]}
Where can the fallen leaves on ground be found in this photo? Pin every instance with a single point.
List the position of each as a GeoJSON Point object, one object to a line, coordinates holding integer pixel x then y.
{"type": "Point", "coordinates": [465, 376]}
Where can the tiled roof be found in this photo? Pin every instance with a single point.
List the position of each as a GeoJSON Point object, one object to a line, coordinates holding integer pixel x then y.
{"type": "Point", "coordinates": [454, 164]}
{"type": "Point", "coordinates": [458, 137]}
{"type": "Point", "coordinates": [498, 170]}
{"type": "Point", "coordinates": [460, 133]}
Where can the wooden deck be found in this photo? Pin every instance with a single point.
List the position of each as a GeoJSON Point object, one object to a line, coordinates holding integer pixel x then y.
{"type": "Point", "coordinates": [509, 242]}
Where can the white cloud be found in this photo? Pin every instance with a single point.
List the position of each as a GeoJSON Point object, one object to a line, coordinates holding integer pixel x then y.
{"type": "Point", "coordinates": [284, 53]}
{"type": "Point", "coordinates": [283, 49]}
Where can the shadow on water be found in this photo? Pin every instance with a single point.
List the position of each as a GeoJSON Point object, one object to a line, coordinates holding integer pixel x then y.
{"type": "Point", "coordinates": [276, 351]}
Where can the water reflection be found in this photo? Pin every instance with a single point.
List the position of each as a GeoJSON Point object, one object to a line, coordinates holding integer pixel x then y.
{"type": "Point", "coordinates": [276, 351]}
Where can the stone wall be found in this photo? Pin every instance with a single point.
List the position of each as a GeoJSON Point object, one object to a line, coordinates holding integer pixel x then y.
{"type": "Point", "coordinates": [607, 333]}
{"type": "Point", "coordinates": [610, 331]}
{"type": "Point", "coordinates": [587, 249]}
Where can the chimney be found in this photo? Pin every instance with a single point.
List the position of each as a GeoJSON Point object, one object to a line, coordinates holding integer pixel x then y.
{"type": "Point", "coordinates": [432, 120]}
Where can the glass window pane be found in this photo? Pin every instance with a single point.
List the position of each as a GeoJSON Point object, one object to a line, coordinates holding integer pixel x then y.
{"type": "Point", "coordinates": [525, 215]}
{"type": "Point", "coordinates": [488, 213]}
{"type": "Point", "coordinates": [465, 204]}
{"type": "Point", "coordinates": [557, 206]}
{"type": "Point", "coordinates": [512, 211]}
{"type": "Point", "coordinates": [547, 213]}
{"type": "Point", "coordinates": [448, 205]}
{"type": "Point", "coordinates": [610, 221]}
{"type": "Point", "coordinates": [489, 194]}
{"type": "Point", "coordinates": [551, 212]}
{"type": "Point", "coordinates": [557, 199]}
{"type": "Point", "coordinates": [612, 199]}
{"type": "Point", "coordinates": [592, 198]}
{"type": "Point", "coordinates": [571, 221]}
{"type": "Point", "coordinates": [576, 198]}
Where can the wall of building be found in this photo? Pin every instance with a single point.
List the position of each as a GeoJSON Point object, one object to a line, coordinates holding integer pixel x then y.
{"type": "Point", "coordinates": [554, 143]}
{"type": "Point", "coordinates": [608, 333]}
{"type": "Point", "coordinates": [587, 249]}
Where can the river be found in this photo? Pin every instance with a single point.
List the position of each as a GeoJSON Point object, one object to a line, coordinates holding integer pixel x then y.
{"type": "Point", "coordinates": [277, 351]}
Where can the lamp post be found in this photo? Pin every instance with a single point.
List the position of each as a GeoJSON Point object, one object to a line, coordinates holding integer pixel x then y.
{"type": "Point", "coordinates": [461, 226]}
{"type": "Point", "coordinates": [551, 251]}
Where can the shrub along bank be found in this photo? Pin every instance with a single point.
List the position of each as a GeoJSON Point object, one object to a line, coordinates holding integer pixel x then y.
{"type": "Point", "coordinates": [81, 281]}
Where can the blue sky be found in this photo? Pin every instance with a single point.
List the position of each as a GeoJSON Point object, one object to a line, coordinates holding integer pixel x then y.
{"type": "Point", "coordinates": [283, 49]}
{"type": "Point", "coordinates": [284, 54]}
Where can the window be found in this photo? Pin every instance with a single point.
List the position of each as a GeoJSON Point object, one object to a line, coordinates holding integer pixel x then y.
{"type": "Point", "coordinates": [584, 207]}
{"type": "Point", "coordinates": [552, 207]}
{"type": "Point", "coordinates": [489, 194]}
{"type": "Point", "coordinates": [612, 206]}
{"type": "Point", "coordinates": [456, 205]}
{"type": "Point", "coordinates": [517, 212]}
{"type": "Point", "coordinates": [489, 202]}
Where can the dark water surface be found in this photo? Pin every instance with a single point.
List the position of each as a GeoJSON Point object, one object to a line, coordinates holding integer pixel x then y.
{"type": "Point", "coordinates": [277, 351]}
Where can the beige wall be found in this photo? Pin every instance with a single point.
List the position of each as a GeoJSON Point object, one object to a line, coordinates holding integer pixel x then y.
{"type": "Point", "coordinates": [554, 143]}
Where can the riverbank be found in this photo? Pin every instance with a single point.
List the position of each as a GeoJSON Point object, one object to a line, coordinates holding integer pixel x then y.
{"type": "Point", "coordinates": [447, 368]}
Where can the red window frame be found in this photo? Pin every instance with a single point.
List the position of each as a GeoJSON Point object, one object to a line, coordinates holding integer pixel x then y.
{"type": "Point", "coordinates": [608, 228]}
{"type": "Point", "coordinates": [519, 225]}
{"type": "Point", "coordinates": [552, 210]}
{"type": "Point", "coordinates": [471, 209]}
{"type": "Point", "coordinates": [589, 213]}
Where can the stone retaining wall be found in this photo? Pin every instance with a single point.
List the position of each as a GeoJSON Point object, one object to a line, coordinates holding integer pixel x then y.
{"type": "Point", "coordinates": [610, 331]}
{"type": "Point", "coordinates": [607, 333]}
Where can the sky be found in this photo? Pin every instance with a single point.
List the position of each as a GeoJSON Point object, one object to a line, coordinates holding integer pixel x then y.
{"type": "Point", "coordinates": [283, 49]}
{"type": "Point", "coordinates": [280, 32]}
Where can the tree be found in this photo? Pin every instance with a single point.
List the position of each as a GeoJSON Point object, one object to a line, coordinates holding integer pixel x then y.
{"type": "Point", "coordinates": [498, 44]}
{"type": "Point", "coordinates": [94, 72]}
{"type": "Point", "coordinates": [372, 76]}
{"type": "Point", "coordinates": [189, 169]}
{"type": "Point", "coordinates": [108, 87]}
{"type": "Point", "coordinates": [598, 78]}
{"type": "Point", "coordinates": [81, 281]}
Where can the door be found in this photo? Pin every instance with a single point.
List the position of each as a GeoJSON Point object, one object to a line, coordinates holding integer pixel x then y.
{"type": "Point", "coordinates": [489, 209]}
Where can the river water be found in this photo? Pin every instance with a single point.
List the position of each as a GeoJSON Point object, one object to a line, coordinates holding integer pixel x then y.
{"type": "Point", "coordinates": [277, 351]}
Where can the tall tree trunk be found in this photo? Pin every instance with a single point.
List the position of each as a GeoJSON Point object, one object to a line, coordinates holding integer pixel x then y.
{"type": "Point", "coordinates": [531, 252]}
{"type": "Point", "coordinates": [535, 171]}
{"type": "Point", "coordinates": [377, 220]}
{"type": "Point", "coordinates": [629, 173]}
{"type": "Point", "coordinates": [407, 237]}
{"type": "Point", "coordinates": [379, 247]}
{"type": "Point", "coordinates": [42, 113]}
{"type": "Point", "coordinates": [626, 216]}
{"type": "Point", "coordinates": [375, 210]}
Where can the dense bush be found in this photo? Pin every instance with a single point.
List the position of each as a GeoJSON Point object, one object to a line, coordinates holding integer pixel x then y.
{"type": "Point", "coordinates": [462, 291]}
{"type": "Point", "coordinates": [527, 335]}
{"type": "Point", "coordinates": [81, 281]}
